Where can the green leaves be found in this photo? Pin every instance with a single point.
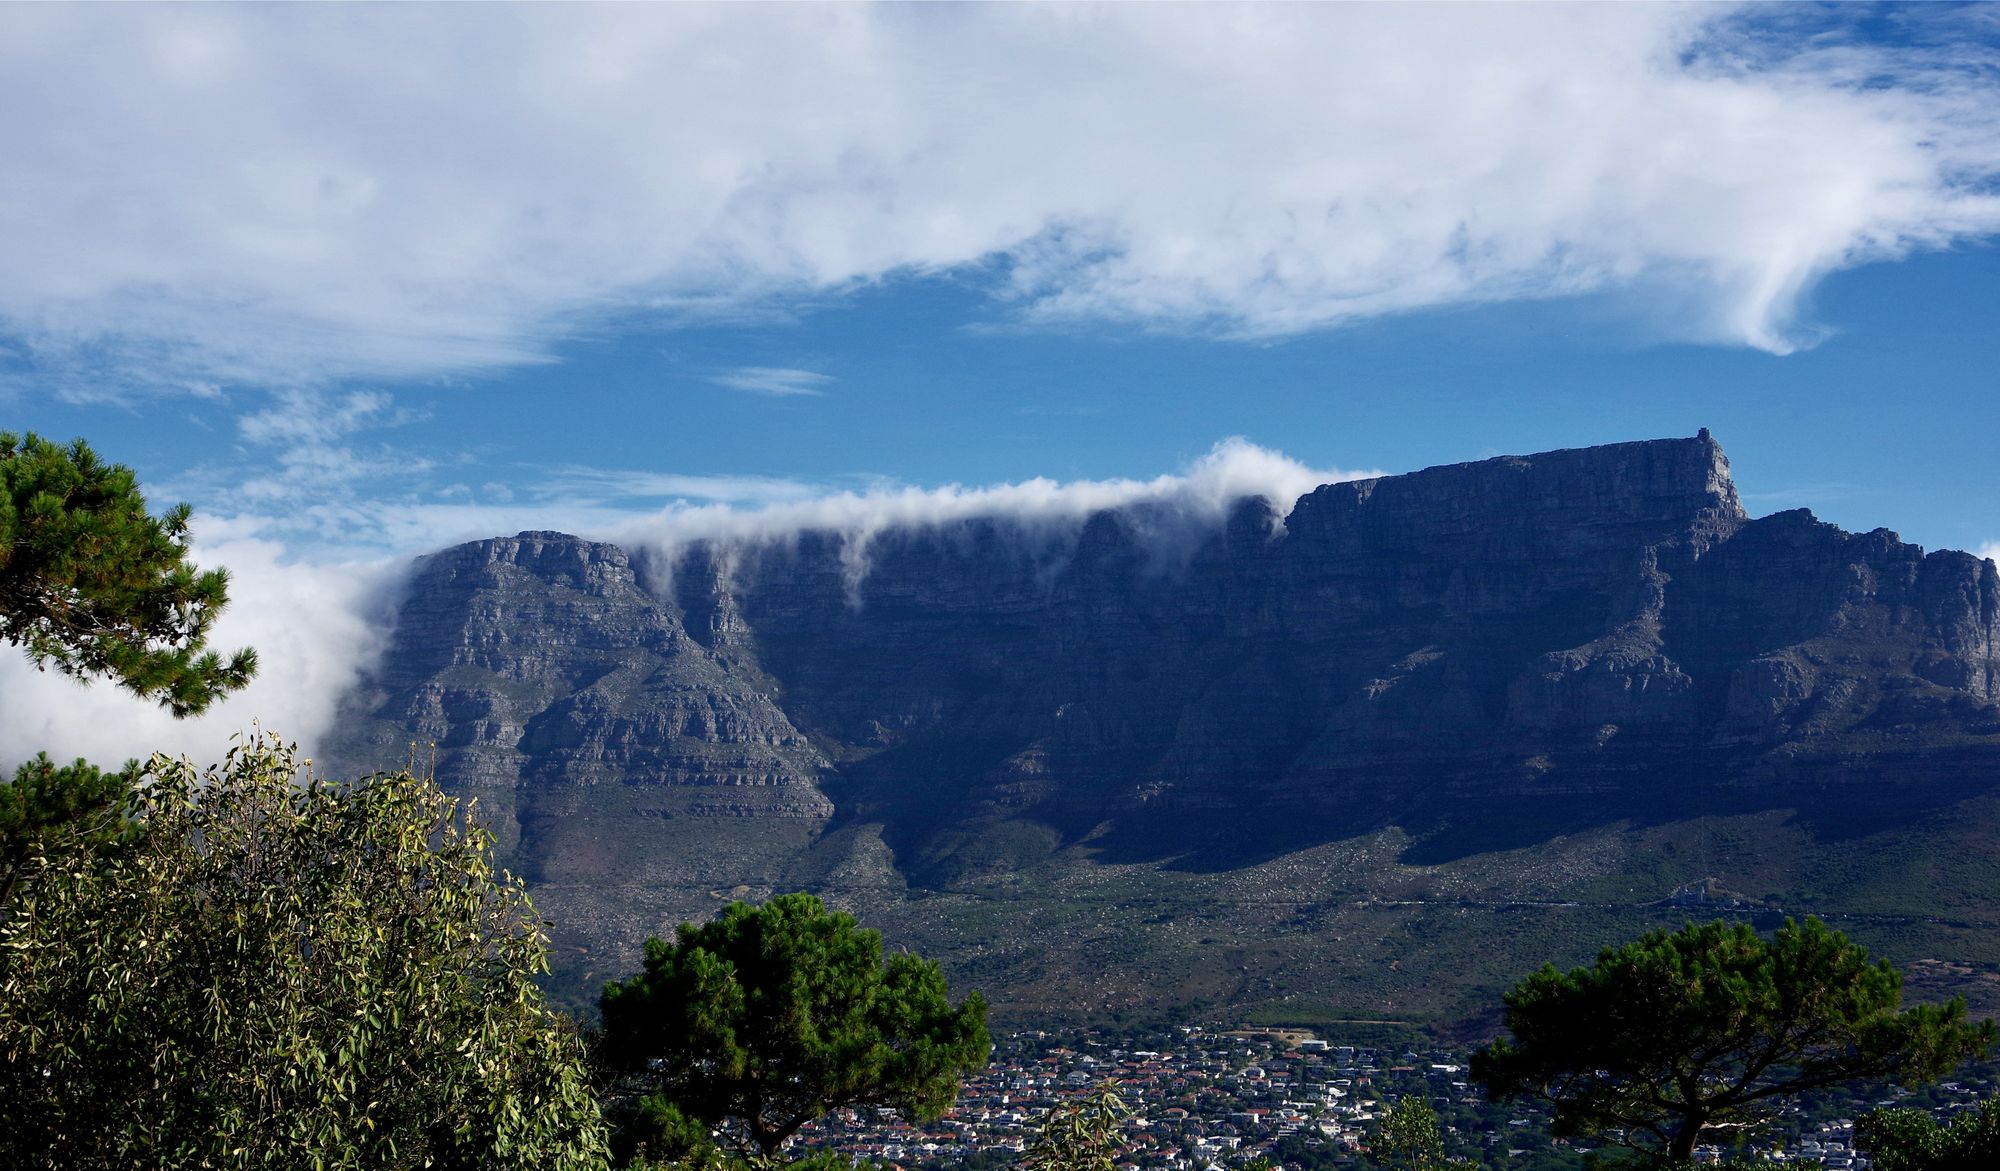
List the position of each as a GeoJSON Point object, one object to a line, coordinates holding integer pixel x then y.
{"type": "Point", "coordinates": [1707, 1027]}
{"type": "Point", "coordinates": [771, 1016]}
{"type": "Point", "coordinates": [285, 973]}
{"type": "Point", "coordinates": [49, 811]}
{"type": "Point", "coordinates": [1080, 1134]}
{"type": "Point", "coordinates": [92, 584]}
{"type": "Point", "coordinates": [1910, 1140]}
{"type": "Point", "coordinates": [1409, 1139]}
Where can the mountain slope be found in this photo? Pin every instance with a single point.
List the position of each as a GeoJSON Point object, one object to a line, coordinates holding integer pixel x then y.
{"type": "Point", "coordinates": [1401, 725]}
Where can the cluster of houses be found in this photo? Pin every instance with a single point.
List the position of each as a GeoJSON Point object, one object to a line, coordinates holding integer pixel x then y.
{"type": "Point", "coordinates": [1202, 1098]}
{"type": "Point", "coordinates": [1198, 1099]}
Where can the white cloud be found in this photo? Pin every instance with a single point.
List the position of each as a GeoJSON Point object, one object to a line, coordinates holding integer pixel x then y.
{"type": "Point", "coordinates": [202, 194]}
{"type": "Point", "coordinates": [1990, 551]}
{"type": "Point", "coordinates": [1231, 470]}
{"type": "Point", "coordinates": [301, 415]}
{"type": "Point", "coordinates": [1803, 496]}
{"type": "Point", "coordinates": [622, 505]}
{"type": "Point", "coordinates": [309, 505]}
{"type": "Point", "coordinates": [319, 624]}
{"type": "Point", "coordinates": [315, 628]}
{"type": "Point", "coordinates": [597, 484]}
{"type": "Point", "coordinates": [314, 466]}
{"type": "Point", "coordinates": [363, 528]}
{"type": "Point", "coordinates": [1173, 512]}
{"type": "Point", "coordinates": [778, 381]}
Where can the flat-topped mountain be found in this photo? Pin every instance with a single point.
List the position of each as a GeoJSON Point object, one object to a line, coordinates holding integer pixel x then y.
{"type": "Point", "coordinates": [1155, 762]}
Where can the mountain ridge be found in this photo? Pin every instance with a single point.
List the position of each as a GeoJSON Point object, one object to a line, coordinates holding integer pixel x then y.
{"type": "Point", "coordinates": [1475, 660]}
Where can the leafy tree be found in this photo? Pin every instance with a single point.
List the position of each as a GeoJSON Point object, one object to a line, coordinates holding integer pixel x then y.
{"type": "Point", "coordinates": [1309, 1154]}
{"type": "Point", "coordinates": [1911, 1140]}
{"type": "Point", "coordinates": [94, 585]}
{"type": "Point", "coordinates": [659, 1134]}
{"type": "Point", "coordinates": [770, 1016]}
{"type": "Point", "coordinates": [1078, 1134]}
{"type": "Point", "coordinates": [1409, 1139]}
{"type": "Point", "coordinates": [285, 974]}
{"type": "Point", "coordinates": [1710, 1027]}
{"type": "Point", "coordinates": [50, 810]}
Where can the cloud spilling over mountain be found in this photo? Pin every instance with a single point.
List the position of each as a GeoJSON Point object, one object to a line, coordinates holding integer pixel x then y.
{"type": "Point", "coordinates": [1476, 692]}
{"type": "Point", "coordinates": [292, 193]}
{"type": "Point", "coordinates": [315, 627]}
{"type": "Point", "coordinates": [1173, 512]}
{"type": "Point", "coordinates": [319, 626]}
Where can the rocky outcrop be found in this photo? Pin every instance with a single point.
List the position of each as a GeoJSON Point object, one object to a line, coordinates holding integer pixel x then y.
{"type": "Point", "coordinates": [606, 747]}
{"type": "Point", "coordinates": [964, 699]}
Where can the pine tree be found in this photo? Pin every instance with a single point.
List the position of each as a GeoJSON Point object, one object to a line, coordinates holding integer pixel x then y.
{"type": "Point", "coordinates": [770, 1016]}
{"type": "Point", "coordinates": [48, 811]}
{"type": "Point", "coordinates": [1709, 1029]}
{"type": "Point", "coordinates": [95, 586]}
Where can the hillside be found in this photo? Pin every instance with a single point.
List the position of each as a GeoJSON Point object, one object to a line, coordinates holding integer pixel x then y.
{"type": "Point", "coordinates": [1370, 756]}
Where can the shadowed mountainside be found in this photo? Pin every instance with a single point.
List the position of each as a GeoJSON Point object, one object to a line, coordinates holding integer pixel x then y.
{"type": "Point", "coordinates": [1532, 695]}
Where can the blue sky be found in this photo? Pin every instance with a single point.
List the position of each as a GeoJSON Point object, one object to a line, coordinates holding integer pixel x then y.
{"type": "Point", "coordinates": [356, 281]}
{"type": "Point", "coordinates": [1891, 421]}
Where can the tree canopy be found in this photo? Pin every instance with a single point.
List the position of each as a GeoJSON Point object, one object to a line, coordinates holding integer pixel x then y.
{"type": "Point", "coordinates": [94, 585]}
{"type": "Point", "coordinates": [1678, 1034]}
{"type": "Point", "coordinates": [770, 1016]}
{"type": "Point", "coordinates": [1409, 1139]}
{"type": "Point", "coordinates": [1911, 1140]}
{"type": "Point", "coordinates": [277, 974]}
{"type": "Point", "coordinates": [49, 809]}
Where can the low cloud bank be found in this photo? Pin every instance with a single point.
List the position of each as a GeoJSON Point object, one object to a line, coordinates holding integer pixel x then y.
{"type": "Point", "coordinates": [1172, 513]}
{"type": "Point", "coordinates": [316, 628]}
{"type": "Point", "coordinates": [320, 625]}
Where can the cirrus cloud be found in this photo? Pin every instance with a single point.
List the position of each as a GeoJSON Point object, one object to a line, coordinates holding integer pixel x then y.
{"type": "Point", "coordinates": [776, 381]}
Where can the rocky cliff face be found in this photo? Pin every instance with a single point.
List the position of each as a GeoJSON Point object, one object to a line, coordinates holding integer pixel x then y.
{"type": "Point", "coordinates": [1485, 655]}
{"type": "Point", "coordinates": [608, 749]}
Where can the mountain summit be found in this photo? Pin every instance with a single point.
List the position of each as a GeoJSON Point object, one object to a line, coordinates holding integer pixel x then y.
{"type": "Point", "coordinates": [1543, 689]}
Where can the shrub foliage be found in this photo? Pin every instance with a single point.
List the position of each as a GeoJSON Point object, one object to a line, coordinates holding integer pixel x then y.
{"type": "Point", "coordinates": [284, 974]}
